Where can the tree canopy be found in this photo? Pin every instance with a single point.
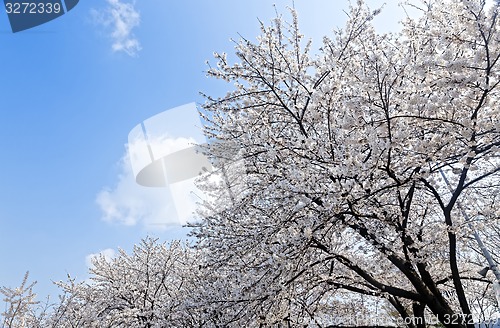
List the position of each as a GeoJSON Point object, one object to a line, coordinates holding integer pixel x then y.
{"type": "Point", "coordinates": [334, 165]}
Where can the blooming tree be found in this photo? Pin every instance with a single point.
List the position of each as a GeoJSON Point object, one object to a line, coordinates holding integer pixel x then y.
{"type": "Point", "coordinates": [331, 202]}
{"type": "Point", "coordinates": [21, 307]}
{"type": "Point", "coordinates": [154, 286]}
{"type": "Point", "coordinates": [148, 288]}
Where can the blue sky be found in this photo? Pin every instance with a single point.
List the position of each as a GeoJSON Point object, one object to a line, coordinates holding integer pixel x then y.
{"type": "Point", "coordinates": [70, 92]}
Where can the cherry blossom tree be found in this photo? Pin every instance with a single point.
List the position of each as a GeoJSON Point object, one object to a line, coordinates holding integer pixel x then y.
{"type": "Point", "coordinates": [154, 286]}
{"type": "Point", "coordinates": [329, 203]}
{"type": "Point", "coordinates": [21, 307]}
{"type": "Point", "coordinates": [151, 287]}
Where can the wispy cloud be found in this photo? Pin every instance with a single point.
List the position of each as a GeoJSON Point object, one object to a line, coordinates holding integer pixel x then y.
{"type": "Point", "coordinates": [130, 204]}
{"type": "Point", "coordinates": [119, 19]}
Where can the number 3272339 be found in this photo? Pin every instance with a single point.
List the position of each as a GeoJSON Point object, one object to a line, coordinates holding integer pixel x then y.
{"type": "Point", "coordinates": [32, 8]}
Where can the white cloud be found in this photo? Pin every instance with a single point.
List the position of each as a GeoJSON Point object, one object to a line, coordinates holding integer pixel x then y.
{"type": "Point", "coordinates": [155, 188]}
{"type": "Point", "coordinates": [119, 19]}
{"type": "Point", "coordinates": [154, 208]}
{"type": "Point", "coordinates": [108, 254]}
